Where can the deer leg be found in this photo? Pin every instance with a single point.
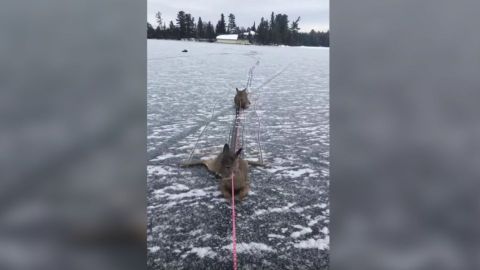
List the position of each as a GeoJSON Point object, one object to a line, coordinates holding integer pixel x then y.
{"type": "Point", "coordinates": [226, 193]}
{"type": "Point", "coordinates": [192, 163]}
{"type": "Point", "coordinates": [243, 192]}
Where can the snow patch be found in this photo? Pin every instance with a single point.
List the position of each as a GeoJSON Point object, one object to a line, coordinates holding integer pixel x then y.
{"type": "Point", "coordinates": [298, 173]}
{"type": "Point", "coordinates": [275, 210]}
{"type": "Point", "coordinates": [277, 168]}
{"type": "Point", "coordinates": [201, 252]}
{"type": "Point", "coordinates": [178, 187]}
{"type": "Point", "coordinates": [321, 243]}
{"type": "Point", "coordinates": [163, 157]}
{"type": "Point", "coordinates": [272, 235]}
{"type": "Point", "coordinates": [252, 247]}
{"type": "Point", "coordinates": [315, 221]}
{"type": "Point", "coordinates": [154, 249]}
{"type": "Point", "coordinates": [178, 196]}
{"type": "Point", "coordinates": [159, 170]}
{"type": "Point", "coordinates": [195, 232]}
{"type": "Point", "coordinates": [191, 193]}
{"type": "Point", "coordinates": [303, 230]}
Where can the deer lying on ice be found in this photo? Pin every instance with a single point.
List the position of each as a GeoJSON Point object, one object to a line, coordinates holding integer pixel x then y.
{"type": "Point", "coordinates": [226, 163]}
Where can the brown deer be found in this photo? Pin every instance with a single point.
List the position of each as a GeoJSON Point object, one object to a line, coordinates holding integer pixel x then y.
{"type": "Point", "coordinates": [223, 165]}
{"type": "Point", "coordinates": [241, 99]}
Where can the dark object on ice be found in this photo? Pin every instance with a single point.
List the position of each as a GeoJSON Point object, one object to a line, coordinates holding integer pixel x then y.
{"type": "Point", "coordinates": [185, 50]}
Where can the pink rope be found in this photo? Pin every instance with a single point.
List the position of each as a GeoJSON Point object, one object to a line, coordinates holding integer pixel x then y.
{"type": "Point", "coordinates": [234, 232]}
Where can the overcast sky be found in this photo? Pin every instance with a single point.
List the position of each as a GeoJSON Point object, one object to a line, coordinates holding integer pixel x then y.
{"type": "Point", "coordinates": [314, 13]}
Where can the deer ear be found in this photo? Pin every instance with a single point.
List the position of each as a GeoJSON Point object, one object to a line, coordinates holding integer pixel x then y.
{"type": "Point", "coordinates": [238, 152]}
{"type": "Point", "coordinates": [237, 89]}
{"type": "Point", "coordinates": [226, 148]}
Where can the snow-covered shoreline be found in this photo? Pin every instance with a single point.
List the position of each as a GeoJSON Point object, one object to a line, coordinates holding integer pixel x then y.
{"type": "Point", "coordinates": [253, 45]}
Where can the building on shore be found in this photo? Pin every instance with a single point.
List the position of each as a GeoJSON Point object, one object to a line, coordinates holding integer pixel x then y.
{"type": "Point", "coordinates": [232, 39]}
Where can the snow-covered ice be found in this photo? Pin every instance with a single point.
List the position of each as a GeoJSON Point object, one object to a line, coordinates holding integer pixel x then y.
{"type": "Point", "coordinates": [302, 231]}
{"type": "Point", "coordinates": [321, 243]}
{"type": "Point", "coordinates": [283, 222]}
{"type": "Point", "coordinates": [251, 248]}
{"type": "Point", "coordinates": [201, 252]}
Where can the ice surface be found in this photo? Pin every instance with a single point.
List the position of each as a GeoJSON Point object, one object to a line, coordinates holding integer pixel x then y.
{"type": "Point", "coordinates": [283, 222]}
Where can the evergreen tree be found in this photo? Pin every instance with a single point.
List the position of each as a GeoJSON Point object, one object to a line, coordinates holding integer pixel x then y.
{"type": "Point", "coordinates": [277, 30]}
{"type": "Point", "coordinates": [314, 38]}
{"type": "Point", "coordinates": [262, 32]}
{"type": "Point", "coordinates": [231, 23]}
{"type": "Point", "coordinates": [294, 32]}
{"type": "Point", "coordinates": [209, 31]}
{"type": "Point", "coordinates": [150, 31]}
{"type": "Point", "coordinates": [281, 32]}
{"type": "Point", "coordinates": [311, 37]}
{"type": "Point", "coordinates": [158, 33]}
{"type": "Point", "coordinates": [182, 24]}
{"type": "Point", "coordinates": [326, 39]}
{"type": "Point", "coordinates": [270, 38]}
{"type": "Point", "coordinates": [200, 30]}
{"type": "Point", "coordinates": [173, 31]}
{"type": "Point", "coordinates": [220, 28]}
{"type": "Point", "coordinates": [189, 26]}
{"type": "Point", "coordinates": [158, 16]}
{"type": "Point", "coordinates": [193, 27]}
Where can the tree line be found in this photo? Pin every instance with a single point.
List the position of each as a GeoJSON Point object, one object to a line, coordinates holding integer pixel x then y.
{"type": "Point", "coordinates": [277, 30]}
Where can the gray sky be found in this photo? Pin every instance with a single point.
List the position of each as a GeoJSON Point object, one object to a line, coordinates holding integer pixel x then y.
{"type": "Point", "coordinates": [314, 13]}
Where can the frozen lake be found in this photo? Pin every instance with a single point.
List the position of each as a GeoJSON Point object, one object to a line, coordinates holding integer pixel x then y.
{"type": "Point", "coordinates": [283, 222]}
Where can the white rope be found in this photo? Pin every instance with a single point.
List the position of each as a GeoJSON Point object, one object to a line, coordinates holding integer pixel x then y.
{"type": "Point", "coordinates": [201, 133]}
